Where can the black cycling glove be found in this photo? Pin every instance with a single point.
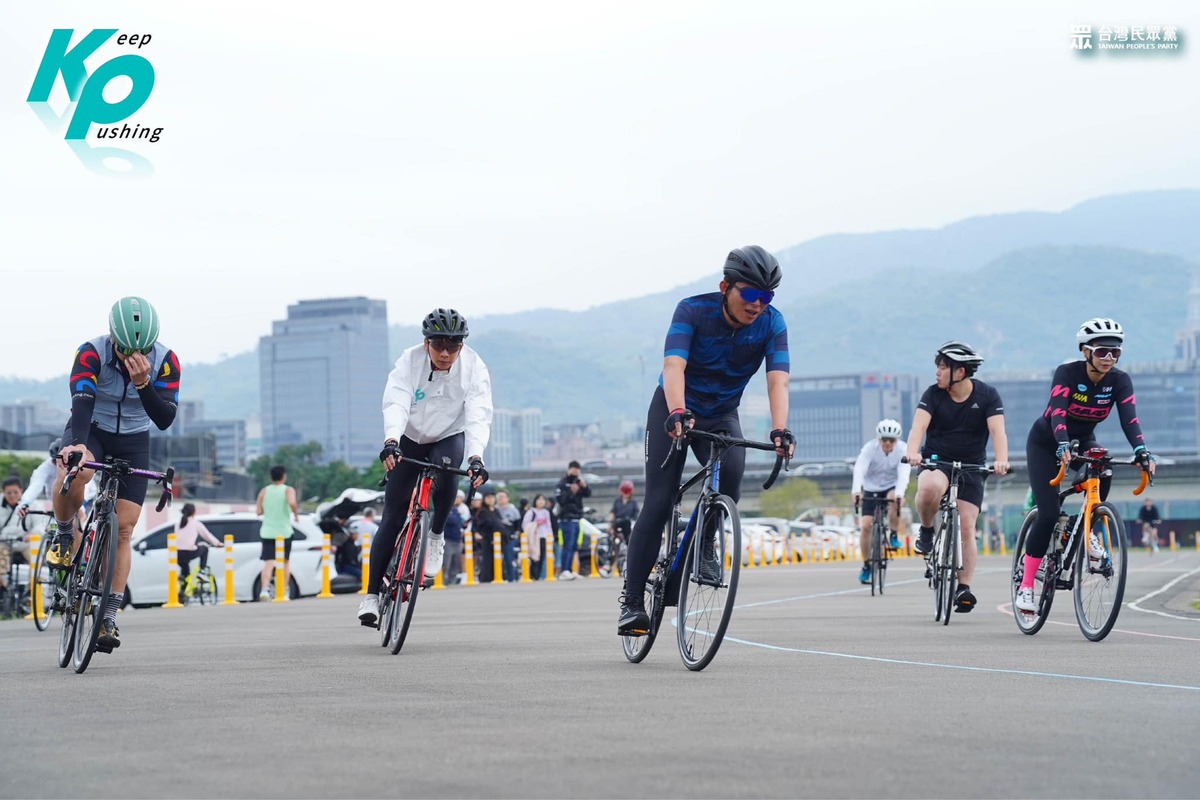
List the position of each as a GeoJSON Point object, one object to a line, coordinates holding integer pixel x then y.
{"type": "Point", "coordinates": [1142, 457]}
{"type": "Point", "coordinates": [477, 470]}
{"type": "Point", "coordinates": [390, 449]}
{"type": "Point", "coordinates": [681, 417]}
{"type": "Point", "coordinates": [786, 440]}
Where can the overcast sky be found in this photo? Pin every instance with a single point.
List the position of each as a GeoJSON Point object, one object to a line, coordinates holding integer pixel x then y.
{"type": "Point", "coordinates": [500, 157]}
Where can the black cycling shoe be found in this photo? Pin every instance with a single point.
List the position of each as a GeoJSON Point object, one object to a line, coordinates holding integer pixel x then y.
{"type": "Point", "coordinates": [634, 620]}
{"type": "Point", "coordinates": [964, 601]}
{"type": "Point", "coordinates": [109, 638]}
{"type": "Point", "coordinates": [924, 543]}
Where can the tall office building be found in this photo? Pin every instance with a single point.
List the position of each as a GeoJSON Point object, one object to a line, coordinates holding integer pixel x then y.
{"type": "Point", "coordinates": [832, 415]}
{"type": "Point", "coordinates": [322, 375]}
{"type": "Point", "coordinates": [516, 438]}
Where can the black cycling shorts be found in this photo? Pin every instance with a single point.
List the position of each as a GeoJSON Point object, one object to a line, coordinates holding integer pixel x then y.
{"type": "Point", "coordinates": [268, 549]}
{"type": "Point", "coordinates": [970, 485]}
{"type": "Point", "coordinates": [131, 447]}
{"type": "Point", "coordinates": [875, 503]}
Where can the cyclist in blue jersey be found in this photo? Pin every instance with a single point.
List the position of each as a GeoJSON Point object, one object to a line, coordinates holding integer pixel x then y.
{"type": "Point", "coordinates": [120, 384]}
{"type": "Point", "coordinates": [715, 344]}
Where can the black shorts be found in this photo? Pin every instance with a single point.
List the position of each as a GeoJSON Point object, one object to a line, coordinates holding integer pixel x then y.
{"type": "Point", "coordinates": [970, 485]}
{"type": "Point", "coordinates": [268, 549]}
{"type": "Point", "coordinates": [131, 447]}
{"type": "Point", "coordinates": [874, 503]}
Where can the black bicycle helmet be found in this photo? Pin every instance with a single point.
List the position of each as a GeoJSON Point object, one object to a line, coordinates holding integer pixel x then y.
{"type": "Point", "coordinates": [959, 354]}
{"type": "Point", "coordinates": [753, 265]}
{"type": "Point", "coordinates": [445, 322]}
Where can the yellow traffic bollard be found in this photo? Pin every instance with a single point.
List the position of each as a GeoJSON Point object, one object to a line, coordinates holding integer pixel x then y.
{"type": "Point", "coordinates": [366, 561]}
{"type": "Point", "coordinates": [1196, 540]}
{"type": "Point", "coordinates": [35, 545]}
{"type": "Point", "coordinates": [1003, 546]}
{"type": "Point", "coordinates": [750, 559]}
{"type": "Point", "coordinates": [550, 561]}
{"type": "Point", "coordinates": [497, 558]}
{"type": "Point", "coordinates": [595, 573]}
{"type": "Point", "coordinates": [768, 552]}
{"type": "Point", "coordinates": [525, 559]}
{"type": "Point", "coordinates": [438, 581]}
{"type": "Point", "coordinates": [1171, 538]}
{"type": "Point", "coordinates": [469, 557]}
{"type": "Point", "coordinates": [230, 594]}
{"type": "Point", "coordinates": [281, 589]}
{"type": "Point", "coordinates": [326, 544]}
{"type": "Point", "coordinates": [172, 574]}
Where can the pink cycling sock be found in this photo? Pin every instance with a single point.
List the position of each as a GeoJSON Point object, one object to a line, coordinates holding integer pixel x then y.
{"type": "Point", "coordinates": [1032, 565]}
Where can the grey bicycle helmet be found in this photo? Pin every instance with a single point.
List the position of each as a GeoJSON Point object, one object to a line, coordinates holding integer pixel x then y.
{"type": "Point", "coordinates": [753, 265]}
{"type": "Point", "coordinates": [445, 322]}
{"type": "Point", "coordinates": [959, 354]}
{"type": "Point", "coordinates": [1100, 330]}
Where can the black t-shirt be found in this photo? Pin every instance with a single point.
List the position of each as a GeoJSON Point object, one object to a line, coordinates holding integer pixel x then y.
{"type": "Point", "coordinates": [1149, 514]}
{"type": "Point", "coordinates": [958, 431]}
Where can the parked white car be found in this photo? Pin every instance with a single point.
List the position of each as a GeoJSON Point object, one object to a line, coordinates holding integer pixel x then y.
{"type": "Point", "coordinates": [148, 573]}
{"type": "Point", "coordinates": [760, 534]}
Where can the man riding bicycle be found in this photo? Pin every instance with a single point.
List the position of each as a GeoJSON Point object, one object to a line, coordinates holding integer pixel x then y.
{"type": "Point", "coordinates": [715, 344]}
{"type": "Point", "coordinates": [1082, 394]}
{"type": "Point", "coordinates": [1149, 518]}
{"type": "Point", "coordinates": [880, 478]}
{"type": "Point", "coordinates": [120, 384]}
{"type": "Point", "coordinates": [437, 404]}
{"type": "Point", "coordinates": [954, 418]}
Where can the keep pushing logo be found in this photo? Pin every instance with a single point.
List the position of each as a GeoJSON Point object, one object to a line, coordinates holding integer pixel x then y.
{"type": "Point", "coordinates": [89, 106]}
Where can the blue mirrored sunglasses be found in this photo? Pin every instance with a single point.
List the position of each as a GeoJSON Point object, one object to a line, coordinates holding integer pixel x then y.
{"type": "Point", "coordinates": [752, 295]}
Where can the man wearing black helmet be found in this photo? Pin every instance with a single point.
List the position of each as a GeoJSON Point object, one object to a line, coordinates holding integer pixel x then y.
{"type": "Point", "coordinates": [955, 418]}
{"type": "Point", "coordinates": [437, 403]}
{"type": "Point", "coordinates": [715, 344]}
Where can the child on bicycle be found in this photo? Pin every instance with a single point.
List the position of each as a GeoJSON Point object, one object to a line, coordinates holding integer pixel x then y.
{"type": "Point", "coordinates": [954, 419]}
{"type": "Point", "coordinates": [1081, 396]}
{"type": "Point", "coordinates": [880, 478]}
{"type": "Point", "coordinates": [715, 344]}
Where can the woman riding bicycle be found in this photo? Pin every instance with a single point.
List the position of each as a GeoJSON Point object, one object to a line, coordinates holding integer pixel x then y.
{"type": "Point", "coordinates": [714, 345]}
{"type": "Point", "coordinates": [187, 533]}
{"type": "Point", "coordinates": [1081, 395]}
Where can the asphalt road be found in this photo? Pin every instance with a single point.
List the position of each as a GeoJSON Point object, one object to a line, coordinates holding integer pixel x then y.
{"type": "Point", "coordinates": [820, 690]}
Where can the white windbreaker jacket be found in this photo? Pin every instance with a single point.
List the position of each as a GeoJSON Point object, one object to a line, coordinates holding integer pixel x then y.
{"type": "Point", "coordinates": [428, 406]}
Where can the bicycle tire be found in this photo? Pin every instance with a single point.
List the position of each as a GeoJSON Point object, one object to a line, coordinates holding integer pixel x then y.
{"type": "Point", "coordinates": [949, 565]}
{"type": "Point", "coordinates": [877, 557]}
{"type": "Point", "coordinates": [705, 608]}
{"type": "Point", "coordinates": [45, 582]}
{"type": "Point", "coordinates": [1043, 590]}
{"type": "Point", "coordinates": [69, 616]}
{"type": "Point", "coordinates": [636, 648]}
{"type": "Point", "coordinates": [414, 574]}
{"type": "Point", "coordinates": [387, 599]}
{"type": "Point", "coordinates": [934, 571]}
{"type": "Point", "coordinates": [95, 589]}
{"type": "Point", "coordinates": [1100, 589]}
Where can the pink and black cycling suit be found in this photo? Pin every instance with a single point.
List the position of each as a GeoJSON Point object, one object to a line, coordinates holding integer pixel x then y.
{"type": "Point", "coordinates": [111, 417]}
{"type": "Point", "coordinates": [1076, 406]}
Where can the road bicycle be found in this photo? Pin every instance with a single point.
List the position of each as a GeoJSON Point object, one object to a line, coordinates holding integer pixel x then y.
{"type": "Point", "coordinates": [88, 581]}
{"type": "Point", "coordinates": [944, 561]}
{"type": "Point", "coordinates": [1069, 564]}
{"type": "Point", "coordinates": [880, 551]}
{"type": "Point", "coordinates": [612, 549]}
{"type": "Point", "coordinates": [44, 580]}
{"type": "Point", "coordinates": [699, 579]}
{"type": "Point", "coordinates": [405, 573]}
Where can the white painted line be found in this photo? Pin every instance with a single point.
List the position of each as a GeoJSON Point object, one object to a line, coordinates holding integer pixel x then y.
{"type": "Point", "coordinates": [1160, 590]}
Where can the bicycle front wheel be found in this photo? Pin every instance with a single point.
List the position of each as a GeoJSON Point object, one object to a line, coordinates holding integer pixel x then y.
{"type": "Point", "coordinates": [877, 558]}
{"type": "Point", "coordinates": [1100, 578]}
{"type": "Point", "coordinates": [411, 578]}
{"type": "Point", "coordinates": [947, 566]}
{"type": "Point", "coordinates": [707, 586]}
{"type": "Point", "coordinates": [44, 583]}
{"type": "Point", "coordinates": [94, 590]}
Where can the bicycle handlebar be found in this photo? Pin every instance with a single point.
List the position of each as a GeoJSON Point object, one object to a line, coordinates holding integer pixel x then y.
{"type": "Point", "coordinates": [29, 512]}
{"type": "Point", "coordinates": [1104, 460]}
{"type": "Point", "coordinates": [75, 463]}
{"type": "Point", "coordinates": [727, 442]}
{"type": "Point", "coordinates": [443, 467]}
{"type": "Point", "coordinates": [933, 463]}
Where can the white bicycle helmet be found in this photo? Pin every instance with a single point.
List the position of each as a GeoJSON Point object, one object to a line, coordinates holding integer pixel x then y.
{"type": "Point", "coordinates": [1100, 328]}
{"type": "Point", "coordinates": [888, 429]}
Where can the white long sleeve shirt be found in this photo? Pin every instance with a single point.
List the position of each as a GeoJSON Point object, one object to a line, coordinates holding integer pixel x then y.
{"type": "Point", "coordinates": [876, 471]}
{"type": "Point", "coordinates": [428, 405]}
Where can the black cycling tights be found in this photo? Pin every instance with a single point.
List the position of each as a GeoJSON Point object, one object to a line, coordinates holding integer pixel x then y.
{"type": "Point", "coordinates": [398, 494]}
{"type": "Point", "coordinates": [1043, 466]}
{"type": "Point", "coordinates": [661, 484]}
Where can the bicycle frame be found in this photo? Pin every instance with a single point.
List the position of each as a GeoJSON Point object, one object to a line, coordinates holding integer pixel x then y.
{"type": "Point", "coordinates": [1089, 487]}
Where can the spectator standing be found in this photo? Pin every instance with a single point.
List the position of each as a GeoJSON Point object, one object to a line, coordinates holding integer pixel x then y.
{"type": "Point", "coordinates": [274, 503]}
{"type": "Point", "coordinates": [510, 535]}
{"type": "Point", "coordinates": [539, 535]}
{"type": "Point", "coordinates": [571, 491]}
{"type": "Point", "coordinates": [452, 566]}
{"type": "Point", "coordinates": [484, 523]}
{"type": "Point", "coordinates": [13, 547]}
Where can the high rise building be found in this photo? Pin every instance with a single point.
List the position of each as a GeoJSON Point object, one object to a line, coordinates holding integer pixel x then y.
{"type": "Point", "coordinates": [322, 374]}
{"type": "Point", "coordinates": [516, 438]}
{"type": "Point", "coordinates": [832, 415]}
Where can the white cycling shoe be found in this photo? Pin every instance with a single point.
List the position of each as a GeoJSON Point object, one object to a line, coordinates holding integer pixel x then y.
{"type": "Point", "coordinates": [433, 558]}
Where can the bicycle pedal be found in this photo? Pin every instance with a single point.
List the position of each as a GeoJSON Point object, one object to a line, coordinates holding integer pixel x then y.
{"type": "Point", "coordinates": [100, 648]}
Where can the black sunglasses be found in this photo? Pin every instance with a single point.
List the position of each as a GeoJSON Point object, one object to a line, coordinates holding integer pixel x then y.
{"type": "Point", "coordinates": [445, 345]}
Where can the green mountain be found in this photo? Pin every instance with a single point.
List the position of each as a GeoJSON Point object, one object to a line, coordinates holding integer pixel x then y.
{"type": "Point", "coordinates": [1016, 286]}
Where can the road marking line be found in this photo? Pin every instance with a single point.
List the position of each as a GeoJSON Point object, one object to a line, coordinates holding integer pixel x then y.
{"type": "Point", "coordinates": [1006, 608]}
{"type": "Point", "coordinates": [1160, 590]}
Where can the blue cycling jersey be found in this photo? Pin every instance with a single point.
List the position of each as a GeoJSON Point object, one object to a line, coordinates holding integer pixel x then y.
{"type": "Point", "coordinates": [721, 359]}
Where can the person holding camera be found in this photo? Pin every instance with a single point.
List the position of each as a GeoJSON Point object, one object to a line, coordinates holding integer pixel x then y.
{"type": "Point", "coordinates": [571, 490]}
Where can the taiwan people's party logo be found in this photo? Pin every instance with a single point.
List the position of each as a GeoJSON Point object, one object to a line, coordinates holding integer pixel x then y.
{"type": "Point", "coordinates": [1124, 40]}
{"type": "Point", "coordinates": [92, 111]}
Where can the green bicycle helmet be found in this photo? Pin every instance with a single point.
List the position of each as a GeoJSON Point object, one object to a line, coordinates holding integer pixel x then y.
{"type": "Point", "coordinates": [133, 325]}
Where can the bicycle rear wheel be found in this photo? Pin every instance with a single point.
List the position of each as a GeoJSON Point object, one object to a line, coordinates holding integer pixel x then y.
{"type": "Point", "coordinates": [706, 600]}
{"type": "Point", "coordinates": [1100, 583]}
{"type": "Point", "coordinates": [411, 578]}
{"type": "Point", "coordinates": [636, 648]}
{"type": "Point", "coordinates": [1043, 590]}
{"type": "Point", "coordinates": [94, 590]}
{"type": "Point", "coordinates": [44, 583]}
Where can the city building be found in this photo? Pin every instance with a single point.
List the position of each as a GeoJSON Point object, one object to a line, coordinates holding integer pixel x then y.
{"type": "Point", "coordinates": [832, 415]}
{"type": "Point", "coordinates": [26, 417]}
{"type": "Point", "coordinates": [321, 374]}
{"type": "Point", "coordinates": [229, 434]}
{"type": "Point", "coordinates": [516, 438]}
